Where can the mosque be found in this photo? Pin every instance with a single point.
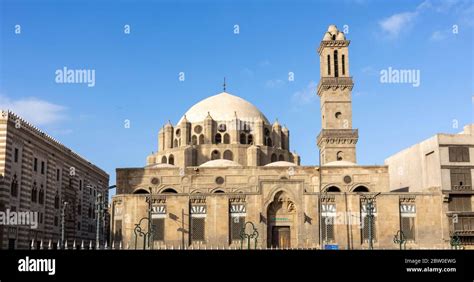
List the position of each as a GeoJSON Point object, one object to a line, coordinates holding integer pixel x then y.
{"type": "Point", "coordinates": [224, 169]}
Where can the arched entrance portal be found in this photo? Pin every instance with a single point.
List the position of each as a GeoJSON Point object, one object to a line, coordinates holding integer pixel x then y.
{"type": "Point", "coordinates": [281, 215]}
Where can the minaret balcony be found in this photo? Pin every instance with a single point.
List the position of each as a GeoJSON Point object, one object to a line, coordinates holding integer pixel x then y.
{"type": "Point", "coordinates": [338, 136]}
{"type": "Point", "coordinates": [334, 82]}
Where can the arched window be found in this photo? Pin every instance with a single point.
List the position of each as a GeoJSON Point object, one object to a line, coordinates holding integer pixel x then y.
{"type": "Point", "coordinates": [340, 156]}
{"type": "Point", "coordinates": [34, 193]}
{"type": "Point", "coordinates": [41, 196]}
{"type": "Point", "coordinates": [215, 155]}
{"type": "Point", "coordinates": [141, 191]}
{"type": "Point", "coordinates": [226, 138]}
{"type": "Point", "coordinates": [269, 142]}
{"type": "Point", "coordinates": [336, 70]}
{"type": "Point", "coordinates": [333, 189]}
{"type": "Point", "coordinates": [243, 138]}
{"type": "Point", "coordinates": [249, 139]}
{"type": "Point", "coordinates": [201, 139]}
{"type": "Point", "coordinates": [194, 140]}
{"type": "Point", "coordinates": [194, 157]}
{"type": "Point", "coordinates": [274, 158]}
{"type": "Point", "coordinates": [228, 155]}
{"type": "Point", "coordinates": [343, 64]}
{"type": "Point", "coordinates": [361, 189]}
{"type": "Point", "coordinates": [169, 191]}
{"type": "Point", "coordinates": [218, 192]}
{"type": "Point", "coordinates": [218, 138]}
{"type": "Point", "coordinates": [175, 143]}
{"type": "Point", "coordinates": [329, 65]}
{"type": "Point", "coordinates": [14, 187]}
{"type": "Point", "coordinates": [333, 37]}
{"type": "Point", "coordinates": [281, 158]}
{"type": "Point", "coordinates": [164, 160]}
{"type": "Point", "coordinates": [171, 159]}
{"type": "Point", "coordinates": [56, 201]}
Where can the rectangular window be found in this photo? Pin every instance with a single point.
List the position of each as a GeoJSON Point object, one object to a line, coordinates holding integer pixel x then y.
{"type": "Point", "coordinates": [461, 179]}
{"type": "Point", "coordinates": [80, 185]}
{"type": "Point", "coordinates": [118, 231]}
{"type": "Point", "coordinates": [459, 154]}
{"type": "Point", "coordinates": [327, 225]}
{"type": "Point", "coordinates": [327, 222]}
{"type": "Point", "coordinates": [35, 164]}
{"type": "Point", "coordinates": [158, 229]}
{"type": "Point", "coordinates": [369, 224]}
{"type": "Point", "coordinates": [42, 167]}
{"type": "Point", "coordinates": [407, 220]}
{"type": "Point", "coordinates": [197, 228]}
{"type": "Point", "coordinates": [460, 203]}
{"type": "Point", "coordinates": [11, 244]}
{"type": "Point", "coordinates": [58, 172]}
{"type": "Point", "coordinates": [15, 158]}
{"type": "Point", "coordinates": [237, 212]}
{"type": "Point", "coordinates": [236, 226]}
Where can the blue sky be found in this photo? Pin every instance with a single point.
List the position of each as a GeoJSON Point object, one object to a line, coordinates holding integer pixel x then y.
{"type": "Point", "coordinates": [137, 73]}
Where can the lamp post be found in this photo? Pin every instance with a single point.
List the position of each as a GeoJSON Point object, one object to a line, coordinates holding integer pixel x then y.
{"type": "Point", "coordinates": [455, 242]}
{"type": "Point", "coordinates": [320, 204]}
{"type": "Point", "coordinates": [63, 215]}
{"type": "Point", "coordinates": [138, 230]}
{"type": "Point", "coordinates": [369, 207]}
{"type": "Point", "coordinates": [399, 238]}
{"type": "Point", "coordinates": [253, 234]}
{"type": "Point", "coordinates": [99, 212]}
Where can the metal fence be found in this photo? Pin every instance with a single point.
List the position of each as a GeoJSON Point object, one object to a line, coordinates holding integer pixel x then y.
{"type": "Point", "coordinates": [92, 245]}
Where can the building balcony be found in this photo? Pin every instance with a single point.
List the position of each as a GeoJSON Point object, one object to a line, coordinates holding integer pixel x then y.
{"type": "Point", "coordinates": [461, 187]}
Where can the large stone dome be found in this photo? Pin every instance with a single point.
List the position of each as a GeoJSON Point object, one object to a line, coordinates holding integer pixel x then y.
{"type": "Point", "coordinates": [223, 107]}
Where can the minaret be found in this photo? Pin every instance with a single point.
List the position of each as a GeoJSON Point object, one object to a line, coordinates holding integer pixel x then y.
{"type": "Point", "coordinates": [337, 140]}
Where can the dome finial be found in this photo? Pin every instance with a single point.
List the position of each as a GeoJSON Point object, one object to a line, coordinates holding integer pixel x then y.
{"type": "Point", "coordinates": [224, 84]}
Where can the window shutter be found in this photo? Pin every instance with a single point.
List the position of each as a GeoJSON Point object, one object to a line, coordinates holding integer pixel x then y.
{"type": "Point", "coordinates": [452, 154]}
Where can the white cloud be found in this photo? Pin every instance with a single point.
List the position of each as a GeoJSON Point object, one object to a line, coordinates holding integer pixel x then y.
{"type": "Point", "coordinates": [438, 35]}
{"type": "Point", "coordinates": [34, 110]}
{"type": "Point", "coordinates": [274, 83]}
{"type": "Point", "coordinates": [394, 24]}
{"type": "Point", "coordinates": [306, 95]}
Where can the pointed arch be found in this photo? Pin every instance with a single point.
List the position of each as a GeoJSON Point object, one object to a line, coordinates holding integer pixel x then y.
{"type": "Point", "coordinates": [215, 155]}
{"type": "Point", "coordinates": [226, 138]}
{"type": "Point", "coordinates": [228, 155]}
{"type": "Point", "coordinates": [273, 158]}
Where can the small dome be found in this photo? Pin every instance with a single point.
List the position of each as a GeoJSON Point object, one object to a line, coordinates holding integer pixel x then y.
{"type": "Point", "coordinates": [281, 163]}
{"type": "Point", "coordinates": [327, 36]}
{"type": "Point", "coordinates": [340, 36]}
{"type": "Point", "coordinates": [220, 163]}
{"type": "Point", "coordinates": [160, 165]}
{"type": "Point", "coordinates": [332, 29]}
{"type": "Point", "coordinates": [340, 163]}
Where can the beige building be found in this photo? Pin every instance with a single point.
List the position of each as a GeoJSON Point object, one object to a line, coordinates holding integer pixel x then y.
{"type": "Point", "coordinates": [441, 164]}
{"type": "Point", "coordinates": [38, 174]}
{"type": "Point", "coordinates": [224, 164]}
